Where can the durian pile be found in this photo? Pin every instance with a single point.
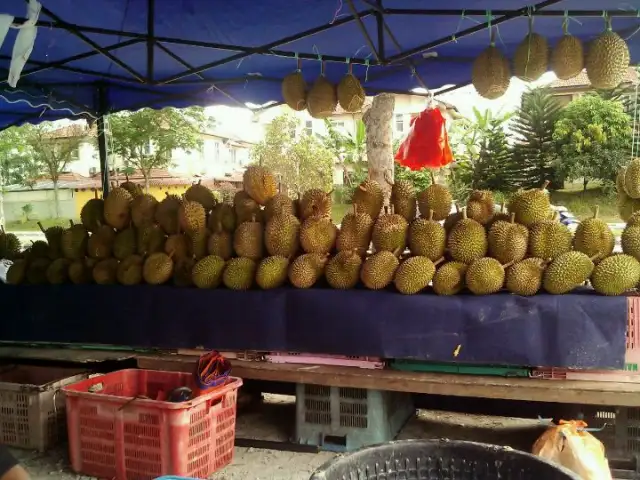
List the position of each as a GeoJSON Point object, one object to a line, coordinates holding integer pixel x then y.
{"type": "Point", "coordinates": [266, 240]}
{"type": "Point", "coordinates": [606, 59]}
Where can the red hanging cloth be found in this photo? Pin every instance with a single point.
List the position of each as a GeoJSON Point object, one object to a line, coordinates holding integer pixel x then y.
{"type": "Point", "coordinates": [427, 144]}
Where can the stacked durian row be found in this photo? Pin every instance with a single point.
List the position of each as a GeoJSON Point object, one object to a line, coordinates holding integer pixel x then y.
{"type": "Point", "coordinates": [267, 240]}
{"type": "Point", "coordinates": [606, 61]}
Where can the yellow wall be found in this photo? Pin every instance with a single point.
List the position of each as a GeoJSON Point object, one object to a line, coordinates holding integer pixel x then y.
{"type": "Point", "coordinates": [83, 196]}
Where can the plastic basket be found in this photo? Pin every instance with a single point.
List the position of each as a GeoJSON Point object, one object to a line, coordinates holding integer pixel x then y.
{"type": "Point", "coordinates": [114, 432]}
{"type": "Point", "coordinates": [344, 419]}
{"type": "Point", "coordinates": [32, 411]}
{"type": "Point", "coordinates": [440, 459]}
{"type": "Point", "coordinates": [316, 359]}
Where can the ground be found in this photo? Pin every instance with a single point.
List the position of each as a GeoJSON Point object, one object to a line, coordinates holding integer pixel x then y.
{"type": "Point", "coordinates": [273, 420]}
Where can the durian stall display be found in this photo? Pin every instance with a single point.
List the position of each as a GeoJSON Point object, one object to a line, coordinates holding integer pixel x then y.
{"type": "Point", "coordinates": [266, 240]}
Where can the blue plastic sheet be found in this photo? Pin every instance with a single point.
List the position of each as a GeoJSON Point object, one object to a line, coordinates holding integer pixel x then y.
{"type": "Point", "coordinates": [581, 330]}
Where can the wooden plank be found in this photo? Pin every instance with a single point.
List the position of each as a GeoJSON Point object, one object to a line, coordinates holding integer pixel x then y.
{"type": "Point", "coordinates": [63, 354]}
{"type": "Point", "coordinates": [561, 391]}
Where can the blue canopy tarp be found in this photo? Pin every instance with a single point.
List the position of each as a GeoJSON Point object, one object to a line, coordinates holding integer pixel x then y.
{"type": "Point", "coordinates": [147, 52]}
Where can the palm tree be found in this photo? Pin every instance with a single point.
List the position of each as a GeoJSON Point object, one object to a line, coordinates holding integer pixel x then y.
{"type": "Point", "coordinates": [349, 150]}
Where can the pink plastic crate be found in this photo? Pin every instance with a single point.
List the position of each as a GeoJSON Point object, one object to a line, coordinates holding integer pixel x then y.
{"type": "Point", "coordinates": [315, 359]}
{"type": "Point", "coordinates": [120, 428]}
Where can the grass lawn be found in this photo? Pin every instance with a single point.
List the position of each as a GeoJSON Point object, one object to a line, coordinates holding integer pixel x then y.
{"type": "Point", "coordinates": [581, 204]}
{"type": "Point", "coordinates": [32, 225]}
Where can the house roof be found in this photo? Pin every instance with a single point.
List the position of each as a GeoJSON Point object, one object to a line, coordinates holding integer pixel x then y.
{"type": "Point", "coordinates": [582, 80]}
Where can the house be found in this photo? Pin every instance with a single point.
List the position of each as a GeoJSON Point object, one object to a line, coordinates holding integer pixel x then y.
{"type": "Point", "coordinates": [74, 190]}
{"type": "Point", "coordinates": [407, 107]}
{"type": "Point", "coordinates": [567, 90]}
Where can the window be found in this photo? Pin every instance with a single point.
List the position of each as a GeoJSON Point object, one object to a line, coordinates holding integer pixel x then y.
{"type": "Point", "coordinates": [216, 151]}
{"type": "Point", "coordinates": [399, 123]}
{"type": "Point", "coordinates": [308, 127]}
{"type": "Point", "coordinates": [233, 155]}
{"type": "Point", "coordinates": [147, 149]}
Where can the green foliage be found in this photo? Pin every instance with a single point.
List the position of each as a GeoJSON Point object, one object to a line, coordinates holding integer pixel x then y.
{"type": "Point", "coordinates": [16, 166]}
{"type": "Point", "coordinates": [534, 153]}
{"type": "Point", "coordinates": [421, 179]}
{"type": "Point", "coordinates": [27, 209]}
{"type": "Point", "coordinates": [349, 150]}
{"type": "Point", "coordinates": [300, 162]}
{"type": "Point", "coordinates": [147, 138]}
{"type": "Point", "coordinates": [593, 138]}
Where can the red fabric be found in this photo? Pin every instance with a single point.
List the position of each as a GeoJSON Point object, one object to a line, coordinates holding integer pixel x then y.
{"type": "Point", "coordinates": [427, 144]}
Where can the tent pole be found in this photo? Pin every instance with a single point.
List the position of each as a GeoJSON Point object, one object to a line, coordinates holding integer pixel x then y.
{"type": "Point", "coordinates": [151, 40]}
{"type": "Point", "coordinates": [363, 29]}
{"type": "Point", "coordinates": [102, 139]}
{"type": "Point", "coordinates": [381, 24]}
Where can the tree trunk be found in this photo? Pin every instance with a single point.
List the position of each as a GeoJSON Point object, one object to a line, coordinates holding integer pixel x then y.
{"type": "Point", "coordinates": [585, 182]}
{"type": "Point", "coordinates": [55, 198]}
{"type": "Point", "coordinates": [146, 180]}
{"type": "Point", "coordinates": [377, 121]}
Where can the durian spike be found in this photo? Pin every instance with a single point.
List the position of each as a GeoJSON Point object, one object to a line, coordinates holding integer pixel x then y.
{"type": "Point", "coordinates": [439, 261]}
{"type": "Point", "coordinates": [431, 215]}
{"type": "Point", "coordinates": [545, 185]}
{"type": "Point", "coordinates": [42, 229]}
{"type": "Point", "coordinates": [464, 212]}
{"type": "Point", "coordinates": [513, 217]}
{"type": "Point", "coordinates": [596, 211]}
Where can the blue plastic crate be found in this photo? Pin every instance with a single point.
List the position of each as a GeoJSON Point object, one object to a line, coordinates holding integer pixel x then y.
{"type": "Point", "coordinates": [345, 419]}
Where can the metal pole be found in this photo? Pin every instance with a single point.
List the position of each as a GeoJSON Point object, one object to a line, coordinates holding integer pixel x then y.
{"type": "Point", "coordinates": [380, 24]}
{"type": "Point", "coordinates": [103, 105]}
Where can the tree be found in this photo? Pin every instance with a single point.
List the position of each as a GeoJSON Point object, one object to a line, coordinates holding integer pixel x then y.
{"type": "Point", "coordinates": [592, 137]}
{"type": "Point", "coordinates": [51, 151]}
{"type": "Point", "coordinates": [349, 150]}
{"type": "Point", "coordinates": [534, 152]}
{"type": "Point", "coordinates": [300, 161]}
{"type": "Point", "coordinates": [147, 138]}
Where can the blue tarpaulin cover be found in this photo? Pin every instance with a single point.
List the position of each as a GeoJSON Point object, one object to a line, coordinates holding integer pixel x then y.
{"type": "Point", "coordinates": [65, 68]}
{"type": "Point", "coordinates": [581, 330]}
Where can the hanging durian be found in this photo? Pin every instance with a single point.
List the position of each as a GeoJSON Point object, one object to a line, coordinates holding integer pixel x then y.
{"type": "Point", "coordinates": [294, 90]}
{"type": "Point", "coordinates": [491, 73]}
{"type": "Point", "coordinates": [351, 95]}
{"type": "Point", "coordinates": [607, 59]}
{"type": "Point", "coordinates": [322, 99]}
{"type": "Point", "coordinates": [531, 59]}
{"type": "Point", "coordinates": [567, 57]}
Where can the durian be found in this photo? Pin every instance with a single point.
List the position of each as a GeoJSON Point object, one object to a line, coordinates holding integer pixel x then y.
{"type": "Point", "coordinates": [16, 274]}
{"type": "Point", "coordinates": [467, 241]}
{"type": "Point", "coordinates": [343, 271]}
{"type": "Point", "coordinates": [150, 239]}
{"type": "Point", "coordinates": [259, 183]}
{"type": "Point", "coordinates": [508, 241]}
{"type": "Point", "coordinates": [80, 272]}
{"type": "Point", "coordinates": [607, 60]}
{"type": "Point", "coordinates": [124, 244]}
{"type": "Point", "coordinates": [355, 232]}
{"type": "Point", "coordinates": [201, 194]}
{"type": "Point", "coordinates": [480, 206]}
{"type": "Point", "coordinates": [246, 208]}
{"type": "Point", "coordinates": [449, 278]}
{"type": "Point", "coordinates": [178, 244]}
{"type": "Point", "coordinates": [531, 206]}
{"type": "Point", "coordinates": [239, 273]}
{"type": "Point", "coordinates": [427, 238]}
{"type": "Point", "coordinates": [368, 198]}
{"type": "Point", "coordinates": [307, 269]}
{"type": "Point", "coordinates": [294, 91]}
{"type": "Point", "coordinates": [616, 275]}
{"type": "Point", "coordinates": [192, 216]}
{"type": "Point", "coordinates": [485, 276]}
{"type": "Point", "coordinates": [207, 273]}
{"type": "Point", "coordinates": [390, 233]}
{"type": "Point", "coordinates": [117, 208]}
{"type": "Point", "coordinates": [594, 238]}
{"type": "Point", "coordinates": [199, 244]}
{"type": "Point", "coordinates": [58, 271]}
{"type": "Point", "coordinates": [37, 271]}
{"type": "Point", "coordinates": [143, 210]}
{"type": "Point", "coordinates": [549, 238]}
{"type": "Point", "coordinates": [322, 99]}
{"type": "Point", "coordinates": [272, 272]}
{"type": "Point", "coordinates": [525, 277]}
{"type": "Point", "coordinates": [248, 240]}
{"type": "Point", "coordinates": [414, 275]}
{"type": "Point", "coordinates": [166, 214]}
{"type": "Point", "coordinates": [281, 236]}
{"type": "Point", "coordinates": [9, 245]}
{"type": "Point", "coordinates": [350, 93]}
{"type": "Point", "coordinates": [130, 270]}
{"type": "Point", "coordinates": [182, 271]}
{"type": "Point", "coordinates": [491, 74]}
{"type": "Point", "coordinates": [567, 57]}
{"type": "Point", "coordinates": [54, 239]}
{"type": "Point", "coordinates": [531, 59]}
{"type": "Point", "coordinates": [224, 214]}
{"type": "Point", "coordinates": [278, 204]}
{"type": "Point", "coordinates": [567, 272]}
{"type": "Point", "coordinates": [403, 199]}
{"type": "Point", "coordinates": [100, 243]}
{"type": "Point", "coordinates": [105, 272]}
{"type": "Point", "coordinates": [92, 213]}
{"type": "Point", "coordinates": [134, 189]}
{"type": "Point", "coordinates": [157, 269]}
{"type": "Point", "coordinates": [437, 198]}
{"type": "Point", "coordinates": [632, 179]}
{"type": "Point", "coordinates": [379, 269]}
{"type": "Point", "coordinates": [220, 243]}
{"type": "Point", "coordinates": [315, 202]}
{"type": "Point", "coordinates": [74, 241]}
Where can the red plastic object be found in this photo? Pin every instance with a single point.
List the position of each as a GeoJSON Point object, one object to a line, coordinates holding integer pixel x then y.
{"type": "Point", "coordinates": [118, 428]}
{"type": "Point", "coordinates": [427, 144]}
